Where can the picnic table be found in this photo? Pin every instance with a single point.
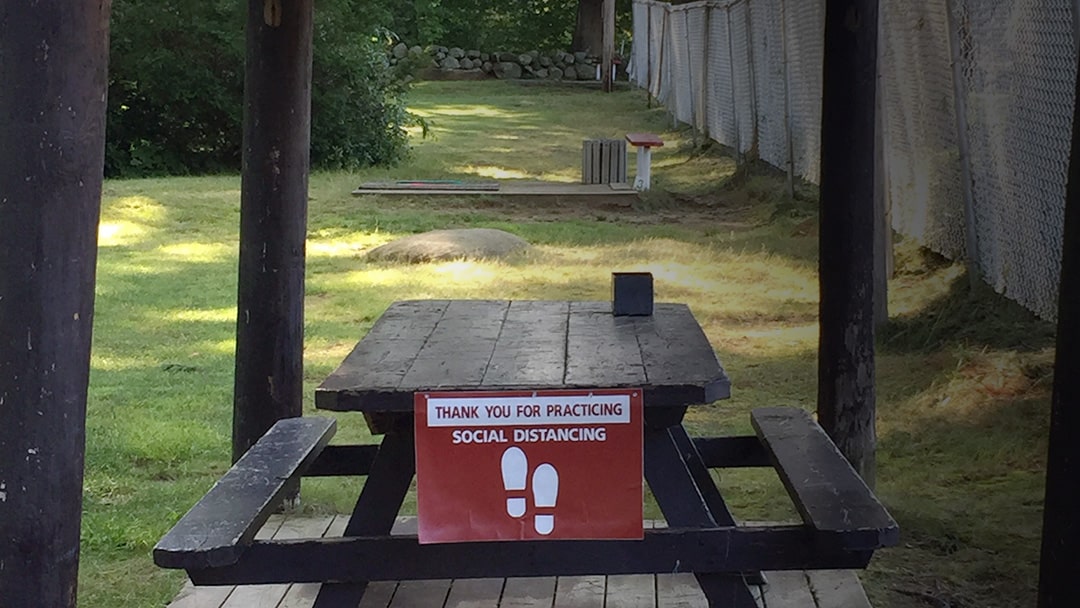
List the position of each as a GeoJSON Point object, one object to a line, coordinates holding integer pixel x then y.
{"type": "Point", "coordinates": [471, 345]}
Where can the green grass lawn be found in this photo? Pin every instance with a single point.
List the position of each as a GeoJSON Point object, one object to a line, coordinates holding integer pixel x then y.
{"type": "Point", "coordinates": [963, 376]}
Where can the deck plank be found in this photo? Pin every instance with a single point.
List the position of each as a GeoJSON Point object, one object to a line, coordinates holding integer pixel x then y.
{"type": "Point", "coordinates": [378, 594]}
{"type": "Point", "coordinates": [475, 593]}
{"type": "Point", "coordinates": [270, 596]}
{"type": "Point", "coordinates": [421, 594]}
{"type": "Point", "coordinates": [788, 590]}
{"type": "Point", "coordinates": [837, 589]}
{"type": "Point", "coordinates": [814, 589]}
{"type": "Point", "coordinates": [580, 591]}
{"type": "Point", "coordinates": [679, 591]}
{"type": "Point", "coordinates": [631, 590]}
{"type": "Point", "coordinates": [531, 592]}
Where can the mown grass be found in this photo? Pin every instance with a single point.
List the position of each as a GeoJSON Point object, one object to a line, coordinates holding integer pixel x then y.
{"type": "Point", "coordinates": [963, 376]}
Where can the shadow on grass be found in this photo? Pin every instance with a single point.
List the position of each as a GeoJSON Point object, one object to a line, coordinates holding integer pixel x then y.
{"type": "Point", "coordinates": [968, 315]}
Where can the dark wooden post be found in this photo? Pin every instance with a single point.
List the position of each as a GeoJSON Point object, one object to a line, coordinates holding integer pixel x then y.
{"type": "Point", "coordinates": [607, 59]}
{"type": "Point", "coordinates": [1061, 529]}
{"type": "Point", "coordinates": [52, 142]}
{"type": "Point", "coordinates": [846, 353]}
{"type": "Point", "coordinates": [273, 218]}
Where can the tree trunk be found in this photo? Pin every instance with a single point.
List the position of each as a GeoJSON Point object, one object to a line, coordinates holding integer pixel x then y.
{"type": "Point", "coordinates": [273, 218]}
{"type": "Point", "coordinates": [1061, 530]}
{"type": "Point", "coordinates": [589, 31]}
{"type": "Point", "coordinates": [846, 266]}
{"type": "Point", "coordinates": [52, 149]}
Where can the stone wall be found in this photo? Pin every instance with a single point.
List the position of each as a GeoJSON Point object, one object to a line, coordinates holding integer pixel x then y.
{"type": "Point", "coordinates": [556, 65]}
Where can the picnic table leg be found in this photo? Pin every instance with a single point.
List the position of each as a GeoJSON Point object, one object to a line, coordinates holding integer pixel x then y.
{"type": "Point", "coordinates": [674, 471]}
{"type": "Point", "coordinates": [377, 508]}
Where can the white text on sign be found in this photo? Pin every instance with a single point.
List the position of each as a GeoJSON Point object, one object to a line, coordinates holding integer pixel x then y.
{"type": "Point", "coordinates": [524, 411]}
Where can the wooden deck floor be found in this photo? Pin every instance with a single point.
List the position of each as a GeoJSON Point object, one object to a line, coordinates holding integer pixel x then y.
{"type": "Point", "coordinates": [816, 589]}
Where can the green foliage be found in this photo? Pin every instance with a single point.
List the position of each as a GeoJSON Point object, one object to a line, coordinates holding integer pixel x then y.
{"type": "Point", "coordinates": [508, 25]}
{"type": "Point", "coordinates": [176, 89]}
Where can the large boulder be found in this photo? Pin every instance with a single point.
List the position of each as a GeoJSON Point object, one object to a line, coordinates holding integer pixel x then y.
{"type": "Point", "coordinates": [400, 50]}
{"type": "Point", "coordinates": [456, 244]}
{"type": "Point", "coordinates": [507, 70]}
{"type": "Point", "coordinates": [584, 71]}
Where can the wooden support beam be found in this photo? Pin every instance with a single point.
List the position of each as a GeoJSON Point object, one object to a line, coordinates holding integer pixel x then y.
{"type": "Point", "coordinates": [52, 129]}
{"type": "Point", "coordinates": [273, 218]}
{"type": "Point", "coordinates": [1061, 529]}
{"type": "Point", "coordinates": [846, 352]}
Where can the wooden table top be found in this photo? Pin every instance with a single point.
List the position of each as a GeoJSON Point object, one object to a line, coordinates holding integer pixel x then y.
{"type": "Point", "coordinates": [421, 345]}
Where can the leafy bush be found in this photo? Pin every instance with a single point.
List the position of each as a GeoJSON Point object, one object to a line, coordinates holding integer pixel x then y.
{"type": "Point", "coordinates": [176, 79]}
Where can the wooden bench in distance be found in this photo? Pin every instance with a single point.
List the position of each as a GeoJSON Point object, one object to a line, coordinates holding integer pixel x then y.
{"type": "Point", "coordinates": [828, 493]}
{"type": "Point", "coordinates": [219, 527]}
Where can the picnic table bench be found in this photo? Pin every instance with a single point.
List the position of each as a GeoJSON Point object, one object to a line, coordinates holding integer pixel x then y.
{"type": "Point", "coordinates": [465, 345]}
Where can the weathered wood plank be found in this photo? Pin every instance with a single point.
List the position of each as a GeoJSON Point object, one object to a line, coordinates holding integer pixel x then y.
{"type": "Point", "coordinates": [679, 591]}
{"type": "Point", "coordinates": [191, 596]}
{"type": "Point", "coordinates": [467, 344]}
{"type": "Point", "coordinates": [728, 549]}
{"type": "Point", "coordinates": [375, 510]}
{"type": "Point", "coordinates": [458, 351]}
{"type": "Point", "coordinates": [580, 591]}
{"type": "Point", "coordinates": [421, 594]}
{"type": "Point", "coordinates": [378, 594]}
{"type": "Point", "coordinates": [213, 597]}
{"type": "Point", "coordinates": [302, 595]}
{"type": "Point", "coordinates": [530, 592]}
{"type": "Point", "coordinates": [676, 352]}
{"type": "Point", "coordinates": [259, 596]}
{"type": "Point", "coordinates": [475, 593]}
{"type": "Point", "coordinates": [216, 530]}
{"type": "Point", "coordinates": [383, 357]}
{"type": "Point", "coordinates": [631, 590]}
{"type": "Point", "coordinates": [601, 349]}
{"type": "Point", "coordinates": [788, 589]}
{"type": "Point", "coordinates": [826, 490]}
{"type": "Point", "coordinates": [531, 348]}
{"type": "Point", "coordinates": [836, 589]}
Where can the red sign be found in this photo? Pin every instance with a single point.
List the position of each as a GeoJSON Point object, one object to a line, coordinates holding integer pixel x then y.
{"type": "Point", "coordinates": [527, 465]}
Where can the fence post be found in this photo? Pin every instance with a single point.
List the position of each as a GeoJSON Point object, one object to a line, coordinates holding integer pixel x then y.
{"type": "Point", "coordinates": [703, 96]}
{"type": "Point", "coordinates": [971, 242]}
{"type": "Point", "coordinates": [753, 80]}
{"type": "Point", "coordinates": [790, 156]}
{"type": "Point", "coordinates": [648, 56]}
{"type": "Point", "coordinates": [739, 160]}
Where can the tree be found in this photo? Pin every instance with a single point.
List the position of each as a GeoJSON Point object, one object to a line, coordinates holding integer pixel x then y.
{"type": "Point", "coordinates": [589, 30]}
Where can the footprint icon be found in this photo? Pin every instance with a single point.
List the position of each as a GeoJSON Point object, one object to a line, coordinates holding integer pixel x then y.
{"type": "Point", "coordinates": [545, 487]}
{"type": "Point", "coordinates": [515, 470]}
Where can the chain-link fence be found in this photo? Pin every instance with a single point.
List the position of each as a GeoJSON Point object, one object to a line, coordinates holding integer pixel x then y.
{"type": "Point", "coordinates": [976, 100]}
